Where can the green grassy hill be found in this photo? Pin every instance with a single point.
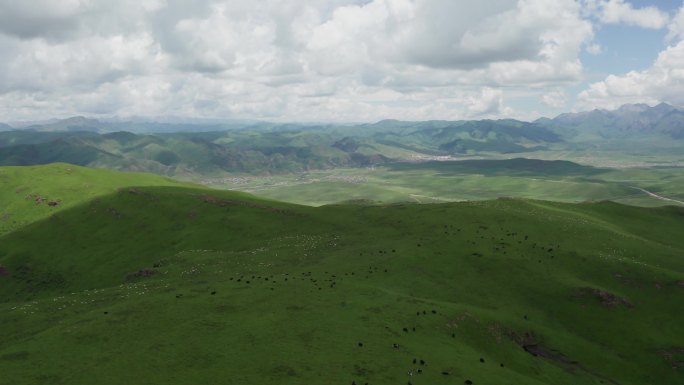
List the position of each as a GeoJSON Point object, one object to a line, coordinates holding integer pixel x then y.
{"type": "Point", "coordinates": [32, 193]}
{"type": "Point", "coordinates": [181, 284]}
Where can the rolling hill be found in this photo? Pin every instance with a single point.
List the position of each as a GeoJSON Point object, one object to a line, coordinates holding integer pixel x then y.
{"type": "Point", "coordinates": [171, 284]}
{"type": "Point", "coordinates": [288, 149]}
{"type": "Point", "coordinates": [196, 151]}
{"type": "Point", "coordinates": [33, 193]}
{"type": "Point", "coordinates": [184, 154]}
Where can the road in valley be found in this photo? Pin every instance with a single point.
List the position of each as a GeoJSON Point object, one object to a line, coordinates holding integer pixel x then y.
{"type": "Point", "coordinates": [654, 195]}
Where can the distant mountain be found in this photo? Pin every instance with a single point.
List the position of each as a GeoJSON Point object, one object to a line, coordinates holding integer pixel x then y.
{"type": "Point", "coordinates": [211, 148]}
{"type": "Point", "coordinates": [76, 123]}
{"type": "Point", "coordinates": [200, 153]}
{"type": "Point", "coordinates": [22, 137]}
{"type": "Point", "coordinates": [81, 124]}
{"type": "Point", "coordinates": [465, 137]}
{"type": "Point", "coordinates": [627, 121]}
{"type": "Point", "coordinates": [5, 127]}
{"type": "Point", "coordinates": [261, 148]}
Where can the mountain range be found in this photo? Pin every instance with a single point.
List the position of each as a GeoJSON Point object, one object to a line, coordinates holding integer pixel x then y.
{"type": "Point", "coordinates": [629, 117]}
{"type": "Point", "coordinates": [266, 148]}
{"type": "Point", "coordinates": [628, 120]}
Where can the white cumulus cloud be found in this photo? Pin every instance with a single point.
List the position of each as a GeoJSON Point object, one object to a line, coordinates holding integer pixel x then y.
{"type": "Point", "coordinates": [621, 12]}
{"type": "Point", "coordinates": [676, 27]}
{"type": "Point", "coordinates": [337, 60]}
{"type": "Point", "coordinates": [555, 99]}
{"type": "Point", "coordinates": [662, 82]}
{"type": "Point", "coordinates": [488, 103]}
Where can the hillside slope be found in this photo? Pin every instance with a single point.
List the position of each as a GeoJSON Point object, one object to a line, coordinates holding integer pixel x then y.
{"type": "Point", "coordinates": [178, 285]}
{"type": "Point", "coordinates": [32, 193]}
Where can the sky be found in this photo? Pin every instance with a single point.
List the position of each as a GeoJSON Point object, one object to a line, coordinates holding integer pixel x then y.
{"type": "Point", "coordinates": [336, 60]}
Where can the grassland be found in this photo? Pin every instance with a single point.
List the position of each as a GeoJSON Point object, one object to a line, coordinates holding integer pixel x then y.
{"type": "Point", "coordinates": [32, 193]}
{"type": "Point", "coordinates": [453, 181]}
{"type": "Point", "coordinates": [183, 284]}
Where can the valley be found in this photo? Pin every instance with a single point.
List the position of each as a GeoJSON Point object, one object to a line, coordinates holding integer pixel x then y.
{"type": "Point", "coordinates": [388, 161]}
{"type": "Point", "coordinates": [195, 284]}
{"type": "Point", "coordinates": [453, 181]}
{"type": "Point", "coordinates": [479, 252]}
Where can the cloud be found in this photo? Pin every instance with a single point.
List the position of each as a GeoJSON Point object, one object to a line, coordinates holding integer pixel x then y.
{"type": "Point", "coordinates": [676, 27]}
{"type": "Point", "coordinates": [621, 12]}
{"type": "Point", "coordinates": [39, 66]}
{"type": "Point", "coordinates": [555, 99]}
{"type": "Point", "coordinates": [284, 59]}
{"type": "Point", "coordinates": [662, 82]}
{"type": "Point", "coordinates": [453, 35]}
{"type": "Point", "coordinates": [65, 20]}
{"type": "Point", "coordinates": [40, 18]}
{"type": "Point", "coordinates": [594, 49]}
{"type": "Point", "coordinates": [488, 103]}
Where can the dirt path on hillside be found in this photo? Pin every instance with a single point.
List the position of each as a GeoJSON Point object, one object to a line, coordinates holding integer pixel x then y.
{"type": "Point", "coordinates": [654, 195]}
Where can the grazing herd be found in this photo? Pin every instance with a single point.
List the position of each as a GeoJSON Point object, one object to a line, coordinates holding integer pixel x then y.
{"type": "Point", "coordinates": [416, 368]}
